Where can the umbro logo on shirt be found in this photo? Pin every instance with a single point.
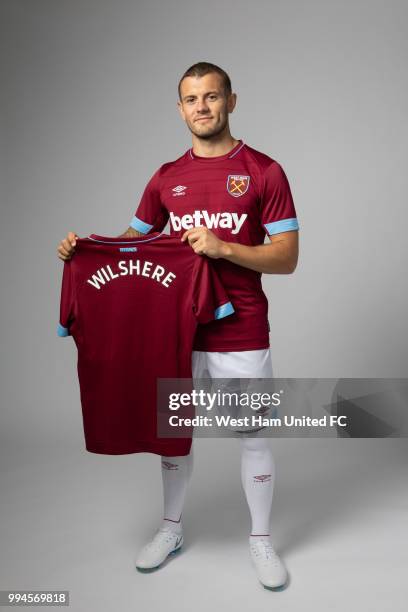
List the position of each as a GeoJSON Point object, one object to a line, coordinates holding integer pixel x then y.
{"type": "Point", "coordinates": [179, 190]}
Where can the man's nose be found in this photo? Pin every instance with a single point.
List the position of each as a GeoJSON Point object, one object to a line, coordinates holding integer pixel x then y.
{"type": "Point", "coordinates": [202, 106]}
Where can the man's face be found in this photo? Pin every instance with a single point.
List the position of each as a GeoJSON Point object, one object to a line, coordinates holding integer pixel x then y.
{"type": "Point", "coordinates": [204, 105]}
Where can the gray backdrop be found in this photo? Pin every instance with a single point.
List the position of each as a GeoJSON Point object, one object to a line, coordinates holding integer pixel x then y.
{"type": "Point", "coordinates": [88, 113]}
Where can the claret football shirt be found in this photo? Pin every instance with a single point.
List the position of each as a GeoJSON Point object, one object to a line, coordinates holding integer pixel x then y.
{"type": "Point", "coordinates": [241, 197]}
{"type": "Point", "coordinates": [132, 307]}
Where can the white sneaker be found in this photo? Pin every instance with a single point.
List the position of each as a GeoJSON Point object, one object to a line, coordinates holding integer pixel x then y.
{"type": "Point", "coordinates": [166, 542]}
{"type": "Point", "coordinates": [270, 569]}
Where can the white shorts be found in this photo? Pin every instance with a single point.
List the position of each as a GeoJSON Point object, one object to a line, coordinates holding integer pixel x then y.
{"type": "Point", "coordinates": [233, 365]}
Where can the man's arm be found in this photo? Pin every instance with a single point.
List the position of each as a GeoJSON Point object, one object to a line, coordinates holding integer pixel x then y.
{"type": "Point", "coordinates": [131, 233]}
{"type": "Point", "coordinates": [279, 257]}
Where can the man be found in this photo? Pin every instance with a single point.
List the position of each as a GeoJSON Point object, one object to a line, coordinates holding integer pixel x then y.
{"type": "Point", "coordinates": [222, 196]}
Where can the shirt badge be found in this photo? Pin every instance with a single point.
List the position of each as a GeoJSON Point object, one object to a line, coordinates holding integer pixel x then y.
{"type": "Point", "coordinates": [237, 185]}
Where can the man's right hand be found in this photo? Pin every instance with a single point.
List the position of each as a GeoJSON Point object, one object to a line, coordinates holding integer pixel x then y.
{"type": "Point", "coordinates": [66, 247]}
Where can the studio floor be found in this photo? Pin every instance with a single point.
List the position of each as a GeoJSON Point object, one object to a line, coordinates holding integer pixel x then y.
{"type": "Point", "coordinates": [73, 520]}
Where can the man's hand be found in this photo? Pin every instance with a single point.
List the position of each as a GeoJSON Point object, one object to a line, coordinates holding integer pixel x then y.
{"type": "Point", "coordinates": [66, 247]}
{"type": "Point", "coordinates": [204, 242]}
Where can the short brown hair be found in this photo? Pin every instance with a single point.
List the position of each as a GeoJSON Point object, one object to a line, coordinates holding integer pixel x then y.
{"type": "Point", "coordinates": [202, 68]}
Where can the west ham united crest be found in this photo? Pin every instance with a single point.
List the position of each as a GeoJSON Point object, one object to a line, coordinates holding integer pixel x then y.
{"type": "Point", "coordinates": [237, 184]}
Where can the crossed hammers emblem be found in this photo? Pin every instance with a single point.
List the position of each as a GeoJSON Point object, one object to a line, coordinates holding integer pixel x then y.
{"type": "Point", "coordinates": [238, 187]}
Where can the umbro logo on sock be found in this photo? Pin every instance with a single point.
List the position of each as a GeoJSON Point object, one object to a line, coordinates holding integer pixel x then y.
{"type": "Point", "coordinates": [169, 466]}
{"type": "Point", "coordinates": [262, 478]}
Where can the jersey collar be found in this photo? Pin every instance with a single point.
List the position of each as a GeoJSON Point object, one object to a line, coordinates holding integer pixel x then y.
{"type": "Point", "coordinates": [122, 240]}
{"type": "Point", "coordinates": [206, 160]}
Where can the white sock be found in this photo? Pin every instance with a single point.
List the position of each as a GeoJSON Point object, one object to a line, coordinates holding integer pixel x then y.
{"type": "Point", "coordinates": [258, 478]}
{"type": "Point", "coordinates": [176, 473]}
{"type": "Point", "coordinates": [175, 526]}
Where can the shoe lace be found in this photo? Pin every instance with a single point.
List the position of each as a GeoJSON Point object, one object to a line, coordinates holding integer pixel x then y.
{"type": "Point", "coordinates": [263, 549]}
{"type": "Point", "coordinates": [162, 534]}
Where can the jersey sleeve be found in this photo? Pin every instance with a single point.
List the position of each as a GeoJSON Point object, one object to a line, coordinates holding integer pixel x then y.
{"type": "Point", "coordinates": [66, 302]}
{"type": "Point", "coordinates": [278, 212]}
{"type": "Point", "coordinates": [150, 214]}
{"type": "Point", "coordinates": [210, 299]}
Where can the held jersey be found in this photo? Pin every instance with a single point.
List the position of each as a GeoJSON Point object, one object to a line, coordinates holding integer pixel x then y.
{"type": "Point", "coordinates": [241, 197]}
{"type": "Point", "coordinates": [132, 307]}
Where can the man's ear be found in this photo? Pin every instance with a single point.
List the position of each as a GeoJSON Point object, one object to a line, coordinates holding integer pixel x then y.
{"type": "Point", "coordinates": [180, 108]}
{"type": "Point", "coordinates": [232, 100]}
